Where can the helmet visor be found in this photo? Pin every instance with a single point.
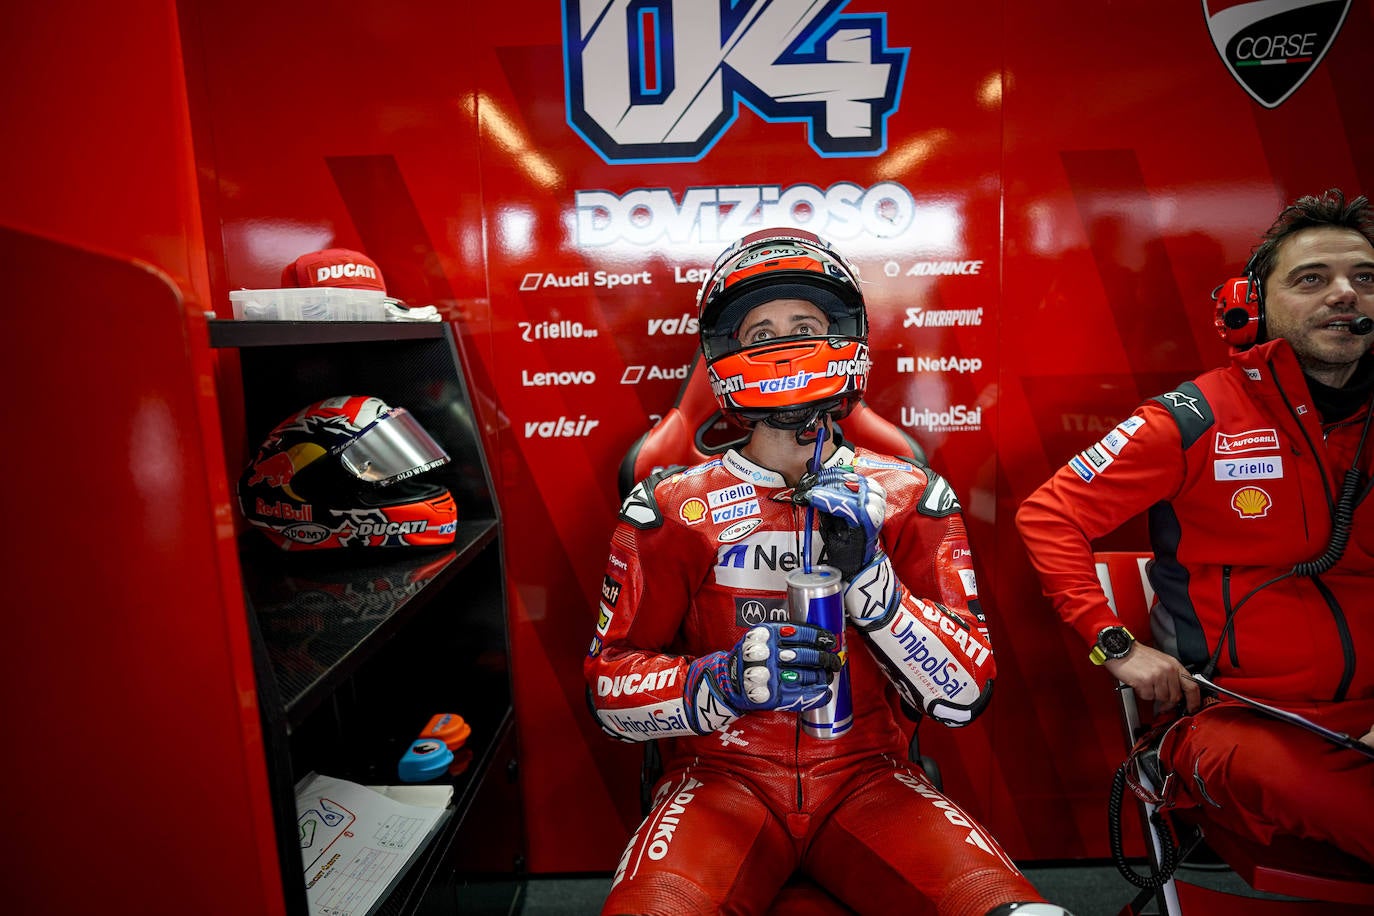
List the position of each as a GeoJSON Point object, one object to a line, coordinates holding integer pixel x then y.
{"type": "Point", "coordinates": [788, 372]}
{"type": "Point", "coordinates": [393, 447]}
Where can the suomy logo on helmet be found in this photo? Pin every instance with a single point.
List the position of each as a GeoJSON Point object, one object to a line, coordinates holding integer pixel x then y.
{"type": "Point", "coordinates": [663, 81]}
{"type": "Point", "coordinates": [782, 250]}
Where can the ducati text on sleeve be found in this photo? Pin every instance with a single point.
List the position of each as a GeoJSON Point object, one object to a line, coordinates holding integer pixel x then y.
{"type": "Point", "coordinates": [630, 684]}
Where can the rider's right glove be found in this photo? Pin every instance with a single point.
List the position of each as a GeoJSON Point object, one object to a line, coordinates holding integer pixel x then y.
{"type": "Point", "coordinates": [774, 666]}
{"type": "Point", "coordinates": [852, 508]}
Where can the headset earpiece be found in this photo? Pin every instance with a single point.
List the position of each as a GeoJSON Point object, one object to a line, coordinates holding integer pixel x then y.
{"type": "Point", "coordinates": [1240, 309]}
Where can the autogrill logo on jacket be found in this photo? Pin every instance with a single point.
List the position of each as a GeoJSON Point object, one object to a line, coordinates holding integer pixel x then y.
{"type": "Point", "coordinates": [1252, 440]}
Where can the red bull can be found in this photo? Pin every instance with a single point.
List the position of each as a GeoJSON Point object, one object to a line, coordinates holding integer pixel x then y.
{"type": "Point", "coordinates": [817, 598]}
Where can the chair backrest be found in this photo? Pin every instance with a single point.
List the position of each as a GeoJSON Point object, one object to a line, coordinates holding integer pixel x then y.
{"type": "Point", "coordinates": [1123, 577]}
{"type": "Point", "coordinates": [694, 430]}
{"type": "Point", "coordinates": [1295, 868]}
{"type": "Point", "coordinates": [1129, 593]}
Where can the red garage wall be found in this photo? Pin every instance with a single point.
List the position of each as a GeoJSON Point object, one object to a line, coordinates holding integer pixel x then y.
{"type": "Point", "coordinates": [133, 773]}
{"type": "Point", "coordinates": [1042, 203]}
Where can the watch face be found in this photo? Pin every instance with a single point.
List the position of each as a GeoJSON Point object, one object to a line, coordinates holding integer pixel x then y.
{"type": "Point", "coordinates": [1114, 642]}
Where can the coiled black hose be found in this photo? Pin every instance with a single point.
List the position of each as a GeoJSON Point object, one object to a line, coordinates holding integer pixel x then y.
{"type": "Point", "coordinates": [1341, 524]}
{"type": "Point", "coordinates": [1168, 852]}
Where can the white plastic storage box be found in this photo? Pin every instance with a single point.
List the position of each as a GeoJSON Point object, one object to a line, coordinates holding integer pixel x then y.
{"type": "Point", "coordinates": [323, 303]}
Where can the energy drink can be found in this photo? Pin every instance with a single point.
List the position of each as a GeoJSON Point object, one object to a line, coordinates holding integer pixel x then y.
{"type": "Point", "coordinates": [817, 598]}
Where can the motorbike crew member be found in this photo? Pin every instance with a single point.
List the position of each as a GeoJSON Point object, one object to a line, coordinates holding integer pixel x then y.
{"type": "Point", "coordinates": [1254, 477]}
{"type": "Point", "coordinates": [694, 648]}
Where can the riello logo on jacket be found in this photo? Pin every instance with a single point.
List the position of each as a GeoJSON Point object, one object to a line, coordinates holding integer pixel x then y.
{"type": "Point", "coordinates": [663, 80]}
{"type": "Point", "coordinates": [1272, 46]}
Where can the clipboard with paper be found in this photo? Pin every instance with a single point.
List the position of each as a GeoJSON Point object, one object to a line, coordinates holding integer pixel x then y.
{"type": "Point", "coordinates": [1283, 715]}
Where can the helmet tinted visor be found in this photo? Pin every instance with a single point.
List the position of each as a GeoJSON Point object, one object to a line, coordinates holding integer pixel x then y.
{"type": "Point", "coordinates": [395, 446]}
{"type": "Point", "coordinates": [790, 372]}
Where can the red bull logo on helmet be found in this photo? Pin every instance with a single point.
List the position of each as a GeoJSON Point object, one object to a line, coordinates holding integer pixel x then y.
{"type": "Point", "coordinates": [275, 471]}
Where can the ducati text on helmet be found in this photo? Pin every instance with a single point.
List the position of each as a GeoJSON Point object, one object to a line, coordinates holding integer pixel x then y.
{"type": "Point", "coordinates": [344, 472]}
{"type": "Point", "coordinates": [784, 381]}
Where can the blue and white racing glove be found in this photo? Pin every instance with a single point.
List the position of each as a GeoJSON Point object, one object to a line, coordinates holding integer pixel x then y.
{"type": "Point", "coordinates": [852, 508]}
{"type": "Point", "coordinates": [774, 666]}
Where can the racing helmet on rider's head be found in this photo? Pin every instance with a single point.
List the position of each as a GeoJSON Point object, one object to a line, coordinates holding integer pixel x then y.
{"type": "Point", "coordinates": [344, 472]}
{"type": "Point", "coordinates": [786, 382]}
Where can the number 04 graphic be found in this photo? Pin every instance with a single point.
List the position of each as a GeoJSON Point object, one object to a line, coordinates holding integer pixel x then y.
{"type": "Point", "coordinates": [662, 80]}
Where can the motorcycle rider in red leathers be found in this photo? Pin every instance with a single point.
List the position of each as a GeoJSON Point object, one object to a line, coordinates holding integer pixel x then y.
{"type": "Point", "coordinates": [694, 647]}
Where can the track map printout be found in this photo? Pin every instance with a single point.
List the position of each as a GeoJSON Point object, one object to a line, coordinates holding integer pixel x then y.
{"type": "Point", "coordinates": [356, 841]}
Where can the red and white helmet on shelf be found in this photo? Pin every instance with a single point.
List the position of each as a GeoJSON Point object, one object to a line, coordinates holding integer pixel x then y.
{"type": "Point", "coordinates": [785, 382]}
{"type": "Point", "coordinates": [344, 472]}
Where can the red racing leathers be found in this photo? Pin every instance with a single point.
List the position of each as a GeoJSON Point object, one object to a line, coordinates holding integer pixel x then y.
{"type": "Point", "coordinates": [745, 800]}
{"type": "Point", "coordinates": [1239, 476]}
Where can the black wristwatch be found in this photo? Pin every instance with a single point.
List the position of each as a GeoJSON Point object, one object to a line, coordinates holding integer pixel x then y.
{"type": "Point", "coordinates": [1112, 642]}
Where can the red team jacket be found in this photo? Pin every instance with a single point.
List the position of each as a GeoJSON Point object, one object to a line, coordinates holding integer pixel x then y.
{"type": "Point", "coordinates": [701, 555]}
{"type": "Point", "coordinates": [1239, 477]}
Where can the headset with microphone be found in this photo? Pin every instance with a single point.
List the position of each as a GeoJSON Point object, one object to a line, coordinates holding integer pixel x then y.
{"type": "Point", "coordinates": [1240, 310]}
